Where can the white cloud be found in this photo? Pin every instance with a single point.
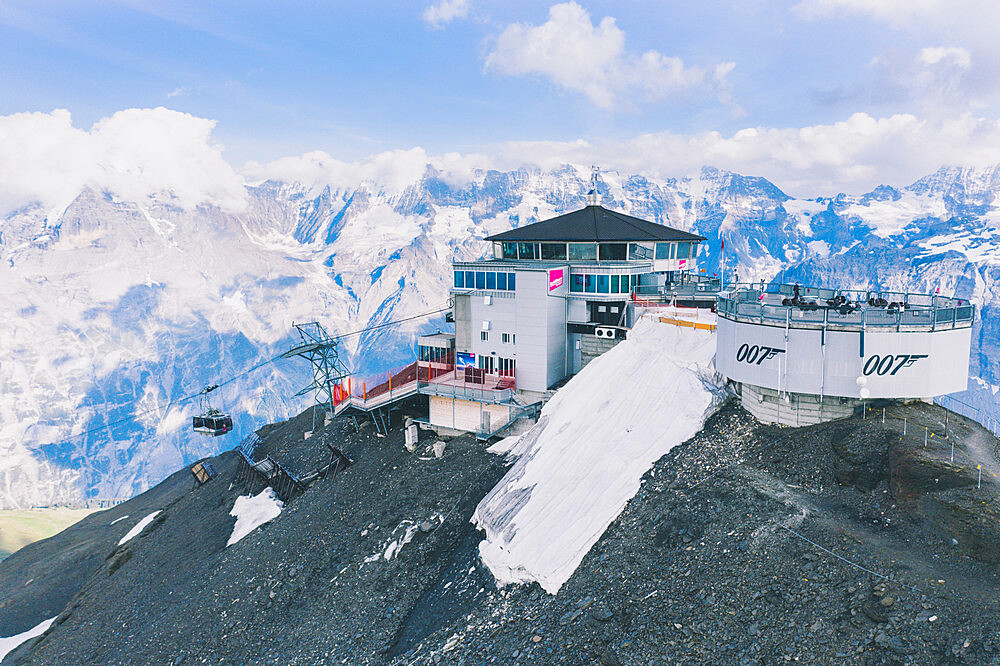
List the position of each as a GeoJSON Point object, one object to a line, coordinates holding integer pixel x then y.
{"type": "Point", "coordinates": [178, 92]}
{"type": "Point", "coordinates": [956, 55]}
{"type": "Point", "coordinates": [134, 154]}
{"type": "Point", "coordinates": [390, 172]}
{"type": "Point", "coordinates": [938, 81]}
{"type": "Point", "coordinates": [967, 21]}
{"type": "Point", "coordinates": [137, 154]}
{"type": "Point", "coordinates": [851, 156]}
{"type": "Point", "coordinates": [577, 55]}
{"type": "Point", "coordinates": [446, 11]}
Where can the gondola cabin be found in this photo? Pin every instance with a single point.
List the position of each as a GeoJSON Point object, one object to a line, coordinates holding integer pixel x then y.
{"type": "Point", "coordinates": [212, 423]}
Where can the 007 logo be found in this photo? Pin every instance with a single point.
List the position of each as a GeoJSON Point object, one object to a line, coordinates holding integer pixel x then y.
{"type": "Point", "coordinates": [889, 364]}
{"type": "Point", "coordinates": [756, 354]}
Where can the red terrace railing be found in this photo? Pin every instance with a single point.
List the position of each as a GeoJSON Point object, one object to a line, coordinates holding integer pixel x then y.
{"type": "Point", "coordinates": [432, 372]}
{"type": "Point", "coordinates": [392, 379]}
{"type": "Point", "coordinates": [398, 378]}
{"type": "Point", "coordinates": [376, 385]}
{"type": "Point", "coordinates": [480, 377]}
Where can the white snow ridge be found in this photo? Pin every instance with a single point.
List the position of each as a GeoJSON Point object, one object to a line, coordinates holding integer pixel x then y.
{"type": "Point", "coordinates": [139, 527]}
{"type": "Point", "coordinates": [252, 512]}
{"type": "Point", "coordinates": [7, 645]}
{"type": "Point", "coordinates": [585, 458]}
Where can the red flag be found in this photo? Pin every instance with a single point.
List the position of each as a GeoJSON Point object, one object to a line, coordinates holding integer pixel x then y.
{"type": "Point", "coordinates": [723, 243]}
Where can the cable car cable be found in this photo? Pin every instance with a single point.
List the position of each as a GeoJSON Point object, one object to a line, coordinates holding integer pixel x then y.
{"type": "Point", "coordinates": [136, 415]}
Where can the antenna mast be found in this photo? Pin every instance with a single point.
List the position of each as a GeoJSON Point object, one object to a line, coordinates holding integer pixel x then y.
{"type": "Point", "coordinates": [592, 196]}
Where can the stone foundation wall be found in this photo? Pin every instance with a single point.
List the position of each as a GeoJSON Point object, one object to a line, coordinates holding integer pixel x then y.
{"type": "Point", "coordinates": [797, 409]}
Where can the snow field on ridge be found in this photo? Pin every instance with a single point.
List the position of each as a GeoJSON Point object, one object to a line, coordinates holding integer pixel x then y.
{"type": "Point", "coordinates": [585, 458]}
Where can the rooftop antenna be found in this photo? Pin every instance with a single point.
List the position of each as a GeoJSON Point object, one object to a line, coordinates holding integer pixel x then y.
{"type": "Point", "coordinates": [592, 196]}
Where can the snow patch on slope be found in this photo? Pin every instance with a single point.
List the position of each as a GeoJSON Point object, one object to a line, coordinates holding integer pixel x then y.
{"type": "Point", "coordinates": [402, 535]}
{"type": "Point", "coordinates": [7, 645]}
{"type": "Point", "coordinates": [252, 512]}
{"type": "Point", "coordinates": [139, 527]}
{"type": "Point", "coordinates": [585, 458]}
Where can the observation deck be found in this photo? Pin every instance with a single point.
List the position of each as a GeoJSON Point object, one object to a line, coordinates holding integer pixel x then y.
{"type": "Point", "coordinates": [794, 306]}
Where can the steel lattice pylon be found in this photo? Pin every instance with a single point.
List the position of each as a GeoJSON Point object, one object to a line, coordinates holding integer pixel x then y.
{"type": "Point", "coordinates": [320, 350]}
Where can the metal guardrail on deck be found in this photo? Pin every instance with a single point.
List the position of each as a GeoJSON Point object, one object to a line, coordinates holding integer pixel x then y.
{"type": "Point", "coordinates": [921, 311]}
{"type": "Point", "coordinates": [466, 392]}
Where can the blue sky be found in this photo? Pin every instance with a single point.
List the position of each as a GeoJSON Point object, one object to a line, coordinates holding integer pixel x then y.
{"type": "Point", "coordinates": [471, 76]}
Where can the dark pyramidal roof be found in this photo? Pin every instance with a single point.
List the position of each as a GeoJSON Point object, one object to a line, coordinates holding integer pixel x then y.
{"type": "Point", "coordinates": [595, 224]}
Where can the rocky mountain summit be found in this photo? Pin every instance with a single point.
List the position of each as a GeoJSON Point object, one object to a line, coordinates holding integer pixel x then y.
{"type": "Point", "coordinates": [846, 542]}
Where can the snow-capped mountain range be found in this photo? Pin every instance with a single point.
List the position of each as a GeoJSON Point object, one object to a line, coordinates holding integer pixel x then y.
{"type": "Point", "coordinates": [114, 307]}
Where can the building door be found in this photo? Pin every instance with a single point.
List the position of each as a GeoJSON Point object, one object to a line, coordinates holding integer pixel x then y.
{"type": "Point", "coordinates": [487, 363]}
{"type": "Point", "coordinates": [575, 355]}
{"type": "Point", "coordinates": [506, 367]}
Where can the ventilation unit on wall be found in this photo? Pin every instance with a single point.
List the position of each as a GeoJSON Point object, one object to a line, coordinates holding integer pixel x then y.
{"type": "Point", "coordinates": [486, 325]}
{"type": "Point", "coordinates": [487, 300]}
{"type": "Point", "coordinates": [604, 332]}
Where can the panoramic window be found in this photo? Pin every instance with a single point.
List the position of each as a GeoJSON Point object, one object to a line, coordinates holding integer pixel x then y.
{"type": "Point", "coordinates": [583, 251]}
{"type": "Point", "coordinates": [509, 250]}
{"type": "Point", "coordinates": [576, 283]}
{"type": "Point", "coordinates": [554, 251]}
{"type": "Point", "coordinates": [590, 284]}
{"type": "Point", "coordinates": [613, 251]}
{"type": "Point", "coordinates": [683, 250]}
{"type": "Point", "coordinates": [484, 280]}
{"type": "Point", "coordinates": [602, 284]}
{"type": "Point", "coordinates": [527, 251]}
{"type": "Point", "coordinates": [640, 251]}
{"type": "Point", "coordinates": [663, 250]}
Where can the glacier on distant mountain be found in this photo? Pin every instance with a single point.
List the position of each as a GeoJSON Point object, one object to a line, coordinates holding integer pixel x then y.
{"type": "Point", "coordinates": [119, 308]}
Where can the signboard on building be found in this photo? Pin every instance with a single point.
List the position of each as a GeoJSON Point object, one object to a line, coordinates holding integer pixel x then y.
{"type": "Point", "coordinates": [557, 276]}
{"type": "Point", "coordinates": [887, 363]}
{"type": "Point", "coordinates": [465, 360]}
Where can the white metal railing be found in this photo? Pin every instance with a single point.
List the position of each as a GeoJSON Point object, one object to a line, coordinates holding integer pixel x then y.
{"type": "Point", "coordinates": [465, 391]}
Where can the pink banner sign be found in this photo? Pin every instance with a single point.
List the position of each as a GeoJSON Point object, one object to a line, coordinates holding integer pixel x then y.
{"type": "Point", "coordinates": [556, 278]}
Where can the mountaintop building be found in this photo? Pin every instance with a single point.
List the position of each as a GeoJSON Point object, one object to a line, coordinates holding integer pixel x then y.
{"type": "Point", "coordinates": [554, 295]}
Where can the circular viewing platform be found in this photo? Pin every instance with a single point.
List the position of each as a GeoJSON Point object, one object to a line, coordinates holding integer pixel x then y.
{"type": "Point", "coordinates": [842, 309]}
